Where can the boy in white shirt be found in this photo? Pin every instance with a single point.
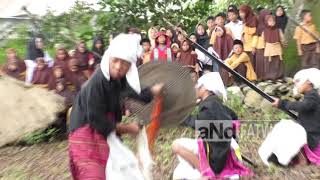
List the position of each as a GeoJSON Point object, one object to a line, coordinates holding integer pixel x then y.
{"type": "Point", "coordinates": [235, 25]}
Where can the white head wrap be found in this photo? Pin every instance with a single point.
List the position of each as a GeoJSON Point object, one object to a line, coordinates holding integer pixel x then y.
{"type": "Point", "coordinates": [212, 82]}
{"type": "Point", "coordinates": [312, 74]}
{"type": "Point", "coordinates": [126, 47]}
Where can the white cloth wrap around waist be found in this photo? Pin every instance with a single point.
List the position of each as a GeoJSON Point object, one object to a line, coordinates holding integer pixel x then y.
{"type": "Point", "coordinates": [285, 141]}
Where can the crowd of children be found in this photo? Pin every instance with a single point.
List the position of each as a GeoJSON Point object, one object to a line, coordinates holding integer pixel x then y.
{"type": "Point", "coordinates": [235, 37]}
{"type": "Point", "coordinates": [260, 35]}
{"type": "Point", "coordinates": [65, 74]}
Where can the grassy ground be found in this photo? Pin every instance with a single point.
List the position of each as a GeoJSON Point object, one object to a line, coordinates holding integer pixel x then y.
{"type": "Point", "coordinates": [50, 160]}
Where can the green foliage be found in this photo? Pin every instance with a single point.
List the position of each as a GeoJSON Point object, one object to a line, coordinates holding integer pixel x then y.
{"type": "Point", "coordinates": [316, 13]}
{"type": "Point", "coordinates": [18, 44]}
{"type": "Point", "coordinates": [235, 103]}
{"type": "Point", "coordinates": [82, 22]}
{"type": "Point", "coordinates": [261, 3]}
{"type": "Point", "coordinates": [146, 13]}
{"type": "Point", "coordinates": [41, 136]}
{"type": "Point", "coordinates": [68, 27]}
{"type": "Point", "coordinates": [291, 58]}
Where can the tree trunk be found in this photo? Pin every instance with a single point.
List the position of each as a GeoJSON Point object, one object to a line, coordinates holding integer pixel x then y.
{"type": "Point", "coordinates": [297, 7]}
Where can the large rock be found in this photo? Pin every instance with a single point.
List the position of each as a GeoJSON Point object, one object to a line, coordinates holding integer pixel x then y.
{"type": "Point", "coordinates": [281, 81]}
{"type": "Point", "coordinates": [288, 80]}
{"type": "Point", "coordinates": [263, 85]}
{"type": "Point", "coordinates": [246, 89]}
{"type": "Point", "coordinates": [25, 110]}
{"type": "Point", "coordinates": [284, 88]}
{"type": "Point", "coordinates": [280, 88]}
{"type": "Point", "coordinates": [253, 99]}
{"type": "Point", "coordinates": [271, 89]}
{"type": "Point", "coordinates": [235, 90]}
{"type": "Point", "coordinates": [266, 105]}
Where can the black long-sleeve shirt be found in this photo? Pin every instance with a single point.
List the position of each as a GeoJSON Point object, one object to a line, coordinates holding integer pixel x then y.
{"type": "Point", "coordinates": [98, 97]}
{"type": "Point", "coordinates": [308, 110]}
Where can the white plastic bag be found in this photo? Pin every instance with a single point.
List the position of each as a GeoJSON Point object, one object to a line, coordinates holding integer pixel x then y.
{"type": "Point", "coordinates": [122, 163]}
{"type": "Point", "coordinates": [144, 154]}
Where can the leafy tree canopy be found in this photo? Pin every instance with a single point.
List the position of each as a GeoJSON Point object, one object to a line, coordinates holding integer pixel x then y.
{"type": "Point", "coordinates": [83, 22]}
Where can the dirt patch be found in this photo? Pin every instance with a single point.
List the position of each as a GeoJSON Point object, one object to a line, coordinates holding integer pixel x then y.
{"type": "Point", "coordinates": [41, 161]}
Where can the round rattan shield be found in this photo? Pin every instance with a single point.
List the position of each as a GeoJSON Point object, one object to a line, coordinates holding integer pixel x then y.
{"type": "Point", "coordinates": [178, 96]}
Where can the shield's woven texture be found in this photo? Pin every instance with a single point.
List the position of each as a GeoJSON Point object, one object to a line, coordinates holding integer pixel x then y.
{"type": "Point", "coordinates": [25, 110]}
{"type": "Point", "coordinates": [179, 93]}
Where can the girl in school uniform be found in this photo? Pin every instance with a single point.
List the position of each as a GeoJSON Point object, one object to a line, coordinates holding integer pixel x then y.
{"type": "Point", "coordinates": [273, 53]}
{"type": "Point", "coordinates": [249, 31]}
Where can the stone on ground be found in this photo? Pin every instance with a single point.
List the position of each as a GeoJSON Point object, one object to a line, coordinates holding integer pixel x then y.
{"type": "Point", "coordinates": [25, 110]}
{"type": "Point", "coordinates": [253, 99]}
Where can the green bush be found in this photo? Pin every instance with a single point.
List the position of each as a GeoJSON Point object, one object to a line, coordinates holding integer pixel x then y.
{"type": "Point", "coordinates": [18, 44]}
{"type": "Point", "coordinates": [291, 59]}
{"type": "Point", "coordinates": [41, 136]}
{"type": "Point", "coordinates": [21, 46]}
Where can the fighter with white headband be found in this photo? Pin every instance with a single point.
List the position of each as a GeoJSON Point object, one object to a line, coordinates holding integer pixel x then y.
{"type": "Point", "coordinates": [97, 111]}
{"type": "Point", "coordinates": [288, 137]}
{"type": "Point", "coordinates": [203, 157]}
